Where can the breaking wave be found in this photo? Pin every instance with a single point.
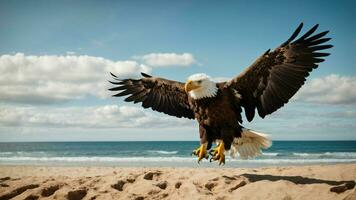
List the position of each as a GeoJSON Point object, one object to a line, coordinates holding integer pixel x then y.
{"type": "Point", "coordinates": [163, 152]}
{"type": "Point", "coordinates": [335, 155]}
{"type": "Point", "coordinates": [97, 159]}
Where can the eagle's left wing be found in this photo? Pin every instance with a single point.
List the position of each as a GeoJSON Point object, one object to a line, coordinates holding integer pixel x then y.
{"type": "Point", "coordinates": [160, 94]}
{"type": "Point", "coordinates": [276, 76]}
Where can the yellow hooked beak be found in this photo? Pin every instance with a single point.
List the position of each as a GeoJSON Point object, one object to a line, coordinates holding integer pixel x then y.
{"type": "Point", "coordinates": [189, 86]}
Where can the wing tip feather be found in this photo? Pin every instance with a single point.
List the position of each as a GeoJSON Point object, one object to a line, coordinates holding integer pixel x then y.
{"type": "Point", "coordinates": [294, 35]}
{"type": "Point", "coordinates": [145, 75]}
{"type": "Point", "coordinates": [113, 75]}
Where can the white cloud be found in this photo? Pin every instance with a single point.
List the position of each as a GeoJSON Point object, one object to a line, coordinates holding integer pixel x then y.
{"type": "Point", "coordinates": [220, 79]}
{"type": "Point", "coordinates": [167, 59]}
{"type": "Point", "coordinates": [96, 117]}
{"type": "Point", "coordinates": [52, 78]}
{"type": "Point", "coordinates": [332, 89]}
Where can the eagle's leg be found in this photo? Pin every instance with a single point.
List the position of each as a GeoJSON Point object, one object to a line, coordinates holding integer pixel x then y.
{"type": "Point", "coordinates": [218, 153]}
{"type": "Point", "coordinates": [201, 152]}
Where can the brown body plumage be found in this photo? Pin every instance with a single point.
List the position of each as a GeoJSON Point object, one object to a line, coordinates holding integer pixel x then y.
{"type": "Point", "coordinates": [266, 85]}
{"type": "Point", "coordinates": [218, 117]}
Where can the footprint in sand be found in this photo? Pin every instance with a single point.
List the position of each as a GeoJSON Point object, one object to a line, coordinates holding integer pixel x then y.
{"type": "Point", "coordinates": [5, 178]}
{"type": "Point", "coordinates": [119, 185]}
{"type": "Point", "coordinates": [48, 191]}
{"type": "Point", "coordinates": [32, 197]}
{"type": "Point", "coordinates": [153, 192]}
{"type": "Point", "coordinates": [131, 179]}
{"type": "Point", "coordinates": [162, 185]}
{"type": "Point", "coordinates": [199, 188]}
{"type": "Point", "coordinates": [18, 191]}
{"type": "Point", "coordinates": [140, 198]}
{"type": "Point", "coordinates": [214, 179]}
{"type": "Point", "coordinates": [177, 185]}
{"type": "Point", "coordinates": [164, 195]}
{"type": "Point", "coordinates": [150, 175]}
{"type": "Point", "coordinates": [77, 194]}
{"type": "Point", "coordinates": [210, 185]}
{"type": "Point", "coordinates": [136, 197]}
{"type": "Point", "coordinates": [2, 180]}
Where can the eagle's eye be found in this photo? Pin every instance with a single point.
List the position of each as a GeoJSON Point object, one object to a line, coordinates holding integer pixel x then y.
{"type": "Point", "coordinates": [199, 81]}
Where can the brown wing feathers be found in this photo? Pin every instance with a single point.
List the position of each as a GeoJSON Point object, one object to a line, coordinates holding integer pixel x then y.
{"type": "Point", "coordinates": [160, 94]}
{"type": "Point", "coordinates": [267, 84]}
{"type": "Point", "coordinates": [276, 76]}
{"type": "Point", "coordinates": [284, 80]}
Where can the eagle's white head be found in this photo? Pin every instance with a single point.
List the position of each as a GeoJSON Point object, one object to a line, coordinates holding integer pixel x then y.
{"type": "Point", "coordinates": [200, 86]}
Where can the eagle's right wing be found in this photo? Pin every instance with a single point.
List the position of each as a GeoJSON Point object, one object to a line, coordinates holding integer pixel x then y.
{"type": "Point", "coordinates": [160, 94]}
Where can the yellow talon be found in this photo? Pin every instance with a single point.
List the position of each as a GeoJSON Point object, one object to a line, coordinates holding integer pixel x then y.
{"type": "Point", "coordinates": [201, 152]}
{"type": "Point", "coordinates": [218, 153]}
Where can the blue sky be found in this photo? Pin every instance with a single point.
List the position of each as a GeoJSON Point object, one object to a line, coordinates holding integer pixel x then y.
{"type": "Point", "coordinates": [44, 44]}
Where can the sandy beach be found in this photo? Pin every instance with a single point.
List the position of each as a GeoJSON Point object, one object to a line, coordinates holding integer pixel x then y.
{"type": "Point", "coordinates": [74, 183]}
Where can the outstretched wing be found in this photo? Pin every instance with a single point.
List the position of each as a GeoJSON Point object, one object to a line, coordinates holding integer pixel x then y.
{"type": "Point", "coordinates": [160, 94]}
{"type": "Point", "coordinates": [276, 76]}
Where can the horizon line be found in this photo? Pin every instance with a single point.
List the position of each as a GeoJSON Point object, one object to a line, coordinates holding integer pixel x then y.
{"type": "Point", "coordinates": [167, 141]}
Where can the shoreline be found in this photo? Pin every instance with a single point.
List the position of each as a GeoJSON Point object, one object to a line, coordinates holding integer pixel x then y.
{"type": "Point", "coordinates": [162, 164]}
{"type": "Point", "coordinates": [327, 181]}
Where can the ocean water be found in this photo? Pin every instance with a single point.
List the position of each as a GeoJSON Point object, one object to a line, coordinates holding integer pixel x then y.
{"type": "Point", "coordinates": [168, 154]}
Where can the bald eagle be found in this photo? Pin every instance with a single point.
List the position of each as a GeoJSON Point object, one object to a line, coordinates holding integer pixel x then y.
{"type": "Point", "coordinates": [264, 86]}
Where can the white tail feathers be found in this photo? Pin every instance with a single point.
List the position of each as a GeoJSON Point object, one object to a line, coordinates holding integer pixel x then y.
{"type": "Point", "coordinates": [249, 144]}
